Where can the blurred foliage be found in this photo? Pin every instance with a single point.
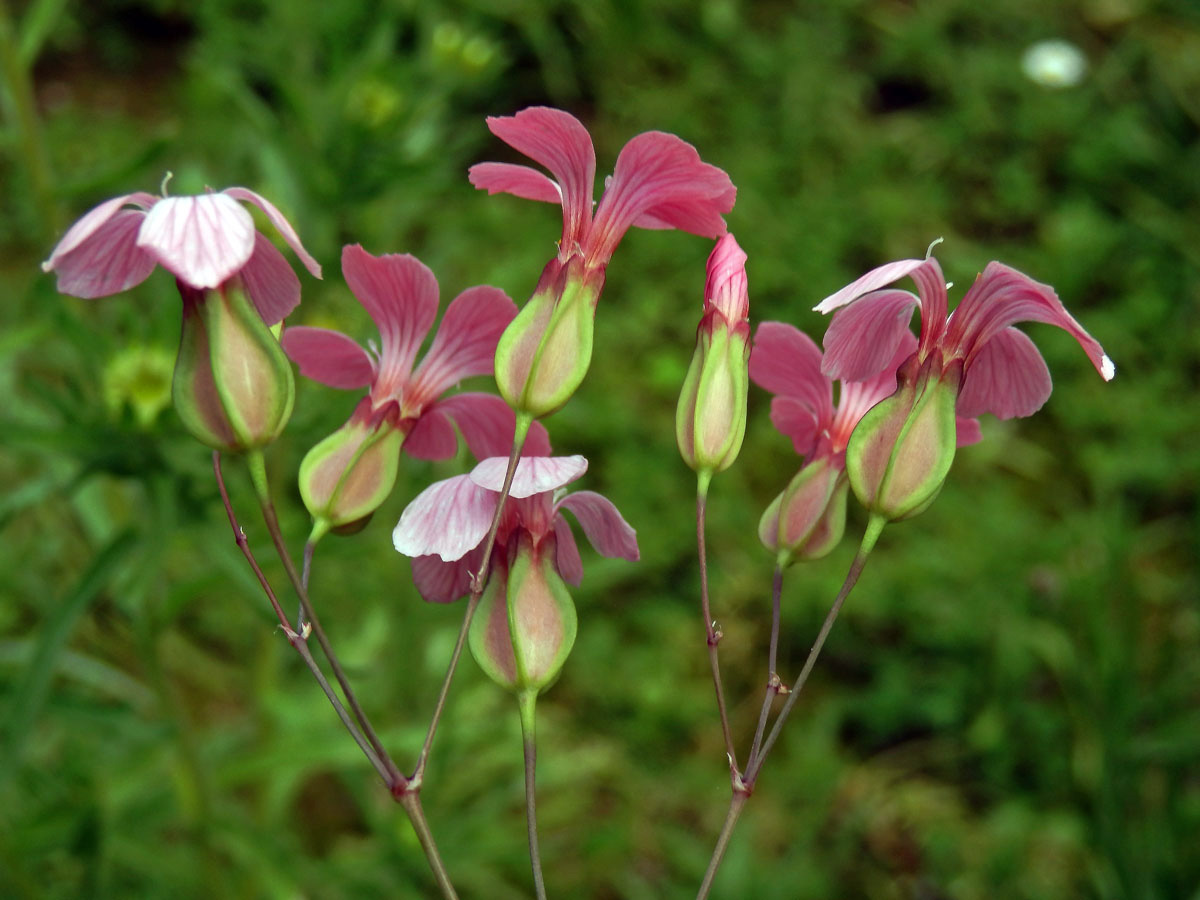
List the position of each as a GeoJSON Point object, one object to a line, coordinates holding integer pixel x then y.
{"type": "Point", "coordinates": [1010, 704]}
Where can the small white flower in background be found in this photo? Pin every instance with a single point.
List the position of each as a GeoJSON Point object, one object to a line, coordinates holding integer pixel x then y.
{"type": "Point", "coordinates": [1054, 64]}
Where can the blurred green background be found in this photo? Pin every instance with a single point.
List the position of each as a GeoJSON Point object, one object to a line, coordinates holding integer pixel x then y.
{"type": "Point", "coordinates": [1010, 703]}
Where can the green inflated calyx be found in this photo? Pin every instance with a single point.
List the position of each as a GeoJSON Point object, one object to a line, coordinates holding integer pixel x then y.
{"type": "Point", "coordinates": [233, 386]}
{"type": "Point", "coordinates": [525, 626]}
{"type": "Point", "coordinates": [902, 450]}
{"type": "Point", "coordinates": [348, 475]}
{"type": "Point", "coordinates": [710, 419]}
{"type": "Point", "coordinates": [808, 518]}
{"type": "Point", "coordinates": [544, 354]}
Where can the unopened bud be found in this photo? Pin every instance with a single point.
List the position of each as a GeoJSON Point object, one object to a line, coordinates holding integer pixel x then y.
{"type": "Point", "coordinates": [233, 385]}
{"type": "Point", "coordinates": [808, 519]}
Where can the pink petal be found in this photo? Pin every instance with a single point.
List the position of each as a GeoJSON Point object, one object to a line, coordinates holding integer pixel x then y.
{"type": "Point", "coordinates": [202, 241]}
{"type": "Point", "coordinates": [401, 296]}
{"type": "Point", "coordinates": [795, 419]}
{"type": "Point", "coordinates": [520, 181]}
{"type": "Point", "coordinates": [862, 339]}
{"type": "Point", "coordinates": [447, 519]}
{"type": "Point", "coordinates": [786, 362]}
{"type": "Point", "coordinates": [486, 422]}
{"type": "Point", "coordinates": [604, 526]}
{"type": "Point", "coordinates": [107, 260]}
{"type": "Point", "coordinates": [857, 397]}
{"type": "Point", "coordinates": [662, 176]}
{"type": "Point", "coordinates": [439, 581]}
{"type": "Point", "coordinates": [92, 221]}
{"type": "Point", "coordinates": [1002, 296]}
{"type": "Point", "coordinates": [432, 436]}
{"type": "Point", "coordinates": [968, 432]}
{"type": "Point", "coordinates": [534, 475]}
{"type": "Point", "coordinates": [328, 357]}
{"type": "Point", "coordinates": [282, 225]}
{"type": "Point", "coordinates": [566, 553]}
{"type": "Point", "coordinates": [558, 141]}
{"type": "Point", "coordinates": [873, 280]}
{"type": "Point", "coordinates": [1007, 378]}
{"type": "Point", "coordinates": [270, 283]}
{"type": "Point", "coordinates": [725, 284]}
{"type": "Point", "coordinates": [465, 343]}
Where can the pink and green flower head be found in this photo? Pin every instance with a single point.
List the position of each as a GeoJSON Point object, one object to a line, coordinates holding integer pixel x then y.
{"type": "Point", "coordinates": [659, 182]}
{"type": "Point", "coordinates": [525, 625]}
{"type": "Point", "coordinates": [807, 520]}
{"type": "Point", "coordinates": [965, 364]}
{"type": "Point", "coordinates": [349, 474]}
{"type": "Point", "coordinates": [232, 387]}
{"type": "Point", "coordinates": [710, 419]}
{"type": "Point", "coordinates": [202, 240]}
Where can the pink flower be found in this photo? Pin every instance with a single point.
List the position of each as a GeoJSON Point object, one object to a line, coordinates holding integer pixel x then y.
{"type": "Point", "coordinates": [1001, 370]}
{"type": "Point", "coordinates": [401, 295]}
{"type": "Point", "coordinates": [445, 526]}
{"type": "Point", "coordinates": [659, 182]}
{"type": "Point", "coordinates": [202, 240]}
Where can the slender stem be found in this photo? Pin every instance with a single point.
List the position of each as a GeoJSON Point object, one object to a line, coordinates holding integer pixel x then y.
{"type": "Point", "coordinates": [15, 73]}
{"type": "Point", "coordinates": [736, 803]}
{"type": "Point", "coordinates": [258, 475]}
{"type": "Point", "coordinates": [411, 801]}
{"type": "Point", "coordinates": [528, 701]}
{"type": "Point", "coordinates": [478, 583]}
{"type": "Point", "coordinates": [712, 634]}
{"type": "Point", "coordinates": [298, 640]}
{"type": "Point", "coordinates": [874, 527]}
{"type": "Point", "coordinates": [773, 683]}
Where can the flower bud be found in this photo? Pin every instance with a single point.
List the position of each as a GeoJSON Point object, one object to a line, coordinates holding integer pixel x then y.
{"type": "Point", "coordinates": [710, 420]}
{"type": "Point", "coordinates": [523, 642]}
{"type": "Point", "coordinates": [544, 353]}
{"type": "Point", "coordinates": [233, 385]}
{"type": "Point", "coordinates": [900, 453]}
{"type": "Point", "coordinates": [346, 477]}
{"type": "Point", "coordinates": [808, 519]}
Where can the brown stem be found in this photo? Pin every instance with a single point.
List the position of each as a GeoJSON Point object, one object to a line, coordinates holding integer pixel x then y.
{"type": "Point", "coordinates": [528, 700]}
{"type": "Point", "coordinates": [299, 641]}
{"type": "Point", "coordinates": [736, 803]}
{"type": "Point", "coordinates": [713, 636]}
{"type": "Point", "coordinates": [478, 583]}
{"type": "Point", "coordinates": [411, 801]}
{"type": "Point", "coordinates": [773, 682]}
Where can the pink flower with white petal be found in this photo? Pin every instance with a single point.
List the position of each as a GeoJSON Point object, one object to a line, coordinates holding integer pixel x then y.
{"type": "Point", "coordinates": [444, 528]}
{"type": "Point", "coordinates": [964, 364]}
{"type": "Point", "coordinates": [342, 481]}
{"type": "Point", "coordinates": [1001, 371]}
{"type": "Point", "coordinates": [202, 240]}
{"type": "Point", "coordinates": [659, 182]}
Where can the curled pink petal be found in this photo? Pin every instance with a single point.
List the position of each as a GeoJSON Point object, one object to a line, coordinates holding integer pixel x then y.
{"type": "Point", "coordinates": [270, 283]}
{"type": "Point", "coordinates": [439, 581]}
{"type": "Point", "coordinates": [534, 474]}
{"type": "Point", "coordinates": [726, 285]}
{"type": "Point", "coordinates": [328, 357]}
{"type": "Point", "coordinates": [107, 260]}
{"type": "Point", "coordinates": [873, 280]}
{"type": "Point", "coordinates": [1007, 378]}
{"type": "Point", "coordinates": [432, 436]}
{"type": "Point", "coordinates": [1002, 296]}
{"type": "Point", "coordinates": [401, 295]}
{"type": "Point", "coordinates": [863, 338]}
{"type": "Point", "coordinates": [465, 343]}
{"type": "Point", "coordinates": [661, 175]}
{"type": "Point", "coordinates": [604, 526]}
{"type": "Point", "coordinates": [520, 181]}
{"type": "Point", "coordinates": [92, 221]}
{"type": "Point", "coordinates": [787, 362]}
{"type": "Point", "coordinates": [447, 519]}
{"type": "Point", "coordinates": [566, 553]}
{"type": "Point", "coordinates": [558, 141]}
{"type": "Point", "coordinates": [795, 419]}
{"type": "Point", "coordinates": [201, 240]}
{"type": "Point", "coordinates": [282, 225]}
{"type": "Point", "coordinates": [967, 432]}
